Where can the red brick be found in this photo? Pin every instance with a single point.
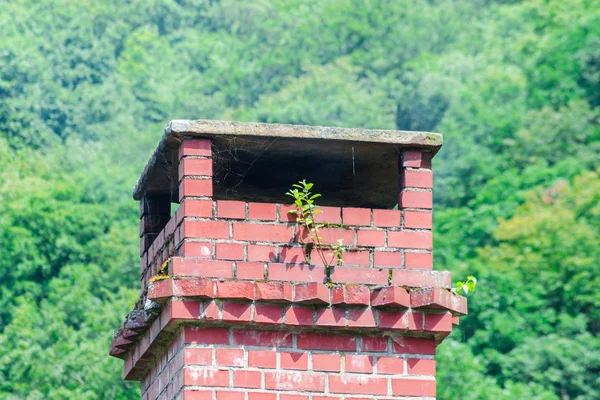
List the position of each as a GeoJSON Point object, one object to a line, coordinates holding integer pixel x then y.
{"type": "Point", "coordinates": [293, 255]}
{"type": "Point", "coordinates": [361, 317]}
{"type": "Point", "coordinates": [293, 360]}
{"type": "Point", "coordinates": [374, 343]}
{"type": "Point", "coordinates": [262, 211]}
{"type": "Point", "coordinates": [262, 359]}
{"type": "Point", "coordinates": [195, 147]}
{"type": "Point", "coordinates": [299, 316]}
{"type": "Point", "coordinates": [322, 341]}
{"type": "Point", "coordinates": [193, 287]}
{"type": "Point", "coordinates": [185, 309]}
{"type": "Point", "coordinates": [413, 387]}
{"type": "Point", "coordinates": [416, 159]}
{"type": "Point", "coordinates": [356, 258]}
{"type": "Point", "coordinates": [387, 259]}
{"type": "Point", "coordinates": [391, 296]}
{"type": "Point", "coordinates": [351, 295]}
{"type": "Point", "coordinates": [332, 215]}
{"type": "Point", "coordinates": [284, 214]}
{"type": "Point", "coordinates": [229, 395]}
{"type": "Point", "coordinates": [195, 395]}
{"type": "Point", "coordinates": [262, 396]}
{"type": "Point", "coordinates": [195, 167]}
{"type": "Point", "coordinates": [196, 250]}
{"type": "Point", "coordinates": [386, 218]}
{"type": "Point", "coordinates": [230, 357]}
{"type": "Point", "coordinates": [356, 216]}
{"type": "Point", "coordinates": [153, 223]}
{"type": "Point", "coordinates": [231, 209]}
{"type": "Point", "coordinates": [415, 320]}
{"type": "Point", "coordinates": [259, 252]}
{"type": "Point", "coordinates": [421, 278]}
{"type": "Point", "coordinates": [292, 397]}
{"type": "Point", "coordinates": [369, 237]}
{"type": "Point", "coordinates": [198, 356]}
{"type": "Point", "coordinates": [205, 229]}
{"type": "Point", "coordinates": [160, 289]}
{"type": "Point", "coordinates": [410, 239]}
{"type": "Point", "coordinates": [328, 236]}
{"type": "Point", "coordinates": [359, 363]}
{"type": "Point", "coordinates": [296, 273]}
{"type": "Point", "coordinates": [418, 260]}
{"type": "Point", "coordinates": [211, 311]}
{"type": "Point", "coordinates": [235, 312]}
{"type": "Point", "coordinates": [268, 314]}
{"type": "Point", "coordinates": [205, 377]}
{"type": "Point", "coordinates": [262, 232]}
{"type": "Point", "coordinates": [253, 337]}
{"type": "Point", "coordinates": [274, 291]}
{"type": "Point", "coordinates": [393, 320]}
{"type": "Point", "coordinates": [311, 293]}
{"type": "Point", "coordinates": [247, 379]}
{"type": "Point", "coordinates": [369, 276]}
{"type": "Point", "coordinates": [199, 335]}
{"type": "Point", "coordinates": [438, 322]}
{"type": "Point", "coordinates": [417, 219]}
{"type": "Point", "coordinates": [421, 366]}
{"type": "Point", "coordinates": [326, 362]}
{"type": "Point", "coordinates": [415, 199]}
{"type": "Point", "coordinates": [362, 384]}
{"type": "Point", "coordinates": [195, 187]}
{"type": "Point", "coordinates": [436, 297]}
{"type": "Point", "coordinates": [235, 290]}
{"type": "Point", "coordinates": [250, 270]}
{"type": "Point", "coordinates": [197, 208]}
{"type": "Point", "coordinates": [390, 365]}
{"type": "Point", "coordinates": [203, 268]}
{"type": "Point", "coordinates": [295, 381]}
{"type": "Point", "coordinates": [417, 179]}
{"type": "Point", "coordinates": [331, 317]}
{"type": "Point", "coordinates": [411, 345]}
{"type": "Point", "coordinates": [230, 251]}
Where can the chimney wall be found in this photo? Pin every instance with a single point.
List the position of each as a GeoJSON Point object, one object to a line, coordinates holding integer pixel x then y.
{"type": "Point", "coordinates": [245, 317]}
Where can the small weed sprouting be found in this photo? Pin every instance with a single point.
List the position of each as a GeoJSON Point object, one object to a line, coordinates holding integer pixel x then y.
{"type": "Point", "coordinates": [465, 288]}
{"type": "Point", "coordinates": [305, 212]}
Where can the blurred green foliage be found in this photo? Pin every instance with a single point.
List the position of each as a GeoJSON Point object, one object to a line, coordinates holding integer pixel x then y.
{"type": "Point", "coordinates": [514, 86]}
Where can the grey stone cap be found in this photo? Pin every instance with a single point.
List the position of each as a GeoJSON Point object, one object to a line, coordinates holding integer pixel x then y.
{"type": "Point", "coordinates": [165, 155]}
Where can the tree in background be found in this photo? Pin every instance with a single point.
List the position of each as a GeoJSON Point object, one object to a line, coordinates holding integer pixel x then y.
{"type": "Point", "coordinates": [86, 86]}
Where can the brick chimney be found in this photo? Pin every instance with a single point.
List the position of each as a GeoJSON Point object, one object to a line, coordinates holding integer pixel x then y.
{"type": "Point", "coordinates": [229, 307]}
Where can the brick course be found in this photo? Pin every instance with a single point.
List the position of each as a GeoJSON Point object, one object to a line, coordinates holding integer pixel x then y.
{"type": "Point", "coordinates": [247, 315]}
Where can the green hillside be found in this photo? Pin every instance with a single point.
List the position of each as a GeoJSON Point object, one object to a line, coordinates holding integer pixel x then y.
{"type": "Point", "coordinates": [87, 86]}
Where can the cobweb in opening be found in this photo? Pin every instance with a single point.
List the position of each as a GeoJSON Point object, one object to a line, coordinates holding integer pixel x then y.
{"type": "Point", "coordinates": [233, 159]}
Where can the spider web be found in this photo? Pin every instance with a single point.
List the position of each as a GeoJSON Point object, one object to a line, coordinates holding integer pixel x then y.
{"type": "Point", "coordinates": [233, 159]}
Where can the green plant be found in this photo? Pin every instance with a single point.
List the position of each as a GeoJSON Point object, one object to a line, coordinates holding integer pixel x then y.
{"type": "Point", "coordinates": [465, 288]}
{"type": "Point", "coordinates": [162, 272]}
{"type": "Point", "coordinates": [305, 212]}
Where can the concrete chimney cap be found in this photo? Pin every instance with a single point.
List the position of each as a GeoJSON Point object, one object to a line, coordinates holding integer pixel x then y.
{"type": "Point", "coordinates": [159, 173]}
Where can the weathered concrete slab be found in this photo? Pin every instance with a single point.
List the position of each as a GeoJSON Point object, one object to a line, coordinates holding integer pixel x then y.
{"type": "Point", "coordinates": [259, 162]}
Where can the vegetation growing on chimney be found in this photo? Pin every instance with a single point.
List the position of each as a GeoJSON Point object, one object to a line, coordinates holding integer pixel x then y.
{"type": "Point", "coordinates": [305, 212]}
